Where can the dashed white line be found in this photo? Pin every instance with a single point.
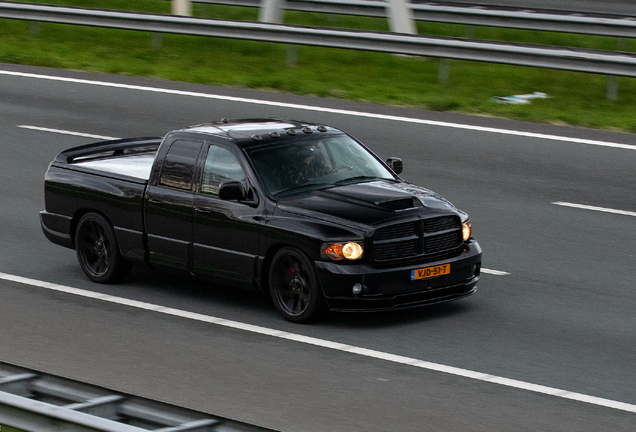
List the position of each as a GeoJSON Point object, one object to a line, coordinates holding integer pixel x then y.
{"type": "Point", "coordinates": [364, 352]}
{"type": "Point", "coordinates": [494, 272]}
{"type": "Point", "coordinates": [594, 208]}
{"type": "Point", "coordinates": [322, 109]}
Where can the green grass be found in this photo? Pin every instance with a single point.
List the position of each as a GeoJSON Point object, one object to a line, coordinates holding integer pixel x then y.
{"type": "Point", "coordinates": [576, 98]}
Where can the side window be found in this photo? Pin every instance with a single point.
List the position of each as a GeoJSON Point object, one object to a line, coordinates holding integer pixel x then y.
{"type": "Point", "coordinates": [178, 166]}
{"type": "Point", "coordinates": [220, 166]}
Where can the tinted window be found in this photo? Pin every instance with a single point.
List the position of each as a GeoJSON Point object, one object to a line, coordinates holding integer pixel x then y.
{"type": "Point", "coordinates": [178, 166]}
{"type": "Point", "coordinates": [220, 166]}
{"type": "Point", "coordinates": [314, 160]}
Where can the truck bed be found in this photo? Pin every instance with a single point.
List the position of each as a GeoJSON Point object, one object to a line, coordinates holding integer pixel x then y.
{"type": "Point", "coordinates": [138, 165]}
{"type": "Point", "coordinates": [107, 177]}
{"type": "Point", "coordinates": [132, 158]}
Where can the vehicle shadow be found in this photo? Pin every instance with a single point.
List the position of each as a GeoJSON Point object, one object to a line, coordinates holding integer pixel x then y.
{"type": "Point", "coordinates": [381, 319]}
{"type": "Point", "coordinates": [178, 288]}
{"type": "Point", "coordinates": [232, 303]}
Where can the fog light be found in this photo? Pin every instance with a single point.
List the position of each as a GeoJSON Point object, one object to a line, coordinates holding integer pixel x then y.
{"type": "Point", "coordinates": [357, 289]}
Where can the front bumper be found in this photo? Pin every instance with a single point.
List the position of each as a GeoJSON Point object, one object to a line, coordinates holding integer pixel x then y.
{"type": "Point", "coordinates": [392, 288]}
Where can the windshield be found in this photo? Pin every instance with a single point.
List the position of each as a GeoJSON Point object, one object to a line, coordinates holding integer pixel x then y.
{"type": "Point", "coordinates": [315, 162]}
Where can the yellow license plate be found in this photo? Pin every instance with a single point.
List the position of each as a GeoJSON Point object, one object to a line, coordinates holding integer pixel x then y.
{"type": "Point", "coordinates": [430, 272]}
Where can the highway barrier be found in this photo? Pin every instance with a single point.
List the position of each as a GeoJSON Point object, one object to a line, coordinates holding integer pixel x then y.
{"type": "Point", "coordinates": [564, 22]}
{"type": "Point", "coordinates": [550, 57]}
{"type": "Point", "coordinates": [34, 402]}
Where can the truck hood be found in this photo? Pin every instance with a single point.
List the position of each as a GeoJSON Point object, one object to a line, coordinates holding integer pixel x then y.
{"type": "Point", "coordinates": [369, 203]}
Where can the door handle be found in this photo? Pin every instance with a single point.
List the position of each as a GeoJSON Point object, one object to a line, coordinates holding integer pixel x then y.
{"type": "Point", "coordinates": [155, 201]}
{"type": "Point", "coordinates": [202, 210]}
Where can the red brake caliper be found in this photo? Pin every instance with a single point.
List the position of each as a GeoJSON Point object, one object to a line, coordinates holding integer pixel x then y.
{"type": "Point", "coordinates": [291, 272]}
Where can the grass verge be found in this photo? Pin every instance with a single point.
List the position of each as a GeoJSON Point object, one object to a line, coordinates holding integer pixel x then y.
{"type": "Point", "coordinates": [575, 98]}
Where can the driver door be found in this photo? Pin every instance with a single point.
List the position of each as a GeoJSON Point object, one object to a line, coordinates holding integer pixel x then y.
{"type": "Point", "coordinates": [226, 232]}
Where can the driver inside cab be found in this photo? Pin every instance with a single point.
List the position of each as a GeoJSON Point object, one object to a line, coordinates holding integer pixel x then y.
{"type": "Point", "coordinates": [308, 164]}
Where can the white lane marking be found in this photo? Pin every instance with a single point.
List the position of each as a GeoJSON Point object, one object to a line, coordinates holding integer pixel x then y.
{"type": "Point", "coordinates": [494, 272]}
{"type": "Point", "coordinates": [65, 132]}
{"type": "Point", "coordinates": [594, 208]}
{"type": "Point", "coordinates": [323, 109]}
{"type": "Point", "coordinates": [329, 344]}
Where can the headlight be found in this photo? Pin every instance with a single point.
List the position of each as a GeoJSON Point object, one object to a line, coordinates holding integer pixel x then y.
{"type": "Point", "coordinates": [338, 251]}
{"type": "Point", "coordinates": [466, 230]}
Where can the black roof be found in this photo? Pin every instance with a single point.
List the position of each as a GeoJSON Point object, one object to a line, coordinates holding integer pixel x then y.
{"type": "Point", "coordinates": [258, 131]}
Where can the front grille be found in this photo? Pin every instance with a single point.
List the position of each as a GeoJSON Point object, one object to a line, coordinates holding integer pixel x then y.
{"type": "Point", "coordinates": [395, 231]}
{"type": "Point", "coordinates": [417, 239]}
{"type": "Point", "coordinates": [442, 242]}
{"type": "Point", "coordinates": [387, 251]}
{"type": "Point", "coordinates": [441, 223]}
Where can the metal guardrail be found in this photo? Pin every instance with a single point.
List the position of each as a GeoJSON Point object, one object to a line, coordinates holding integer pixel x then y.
{"type": "Point", "coordinates": [519, 19]}
{"type": "Point", "coordinates": [591, 61]}
{"type": "Point", "coordinates": [34, 402]}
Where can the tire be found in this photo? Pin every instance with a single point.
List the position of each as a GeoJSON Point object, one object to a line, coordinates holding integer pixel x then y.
{"type": "Point", "coordinates": [293, 286]}
{"type": "Point", "coordinates": [97, 250]}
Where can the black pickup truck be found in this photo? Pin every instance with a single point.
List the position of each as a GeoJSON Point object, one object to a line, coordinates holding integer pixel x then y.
{"type": "Point", "coordinates": [299, 210]}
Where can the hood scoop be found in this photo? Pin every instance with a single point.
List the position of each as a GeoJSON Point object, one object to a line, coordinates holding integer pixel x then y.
{"type": "Point", "coordinates": [399, 204]}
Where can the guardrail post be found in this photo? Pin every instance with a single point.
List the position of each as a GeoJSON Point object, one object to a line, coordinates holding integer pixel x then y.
{"type": "Point", "coordinates": [271, 11]}
{"type": "Point", "coordinates": [400, 17]}
{"type": "Point", "coordinates": [612, 80]}
{"type": "Point", "coordinates": [157, 41]}
{"type": "Point", "coordinates": [444, 71]}
{"type": "Point", "coordinates": [179, 7]}
{"type": "Point", "coordinates": [292, 56]}
{"type": "Point", "coordinates": [612, 87]}
{"type": "Point", "coordinates": [469, 32]}
{"type": "Point", "coordinates": [35, 29]}
{"type": "Point", "coordinates": [182, 7]}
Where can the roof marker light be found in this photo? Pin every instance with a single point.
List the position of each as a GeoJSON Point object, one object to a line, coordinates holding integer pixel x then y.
{"type": "Point", "coordinates": [224, 120]}
{"type": "Point", "coordinates": [307, 130]}
{"type": "Point", "coordinates": [257, 137]}
{"type": "Point", "coordinates": [274, 134]}
{"type": "Point", "coordinates": [291, 132]}
{"type": "Point", "coordinates": [321, 128]}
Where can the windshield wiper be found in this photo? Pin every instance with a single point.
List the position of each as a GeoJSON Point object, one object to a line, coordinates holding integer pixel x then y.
{"type": "Point", "coordinates": [357, 179]}
{"type": "Point", "coordinates": [304, 186]}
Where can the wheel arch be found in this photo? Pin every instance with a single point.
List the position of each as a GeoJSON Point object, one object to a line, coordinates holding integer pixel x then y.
{"type": "Point", "coordinates": [266, 263]}
{"type": "Point", "coordinates": [79, 214]}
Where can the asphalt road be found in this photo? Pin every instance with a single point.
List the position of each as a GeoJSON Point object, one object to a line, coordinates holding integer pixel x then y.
{"type": "Point", "coordinates": [563, 317]}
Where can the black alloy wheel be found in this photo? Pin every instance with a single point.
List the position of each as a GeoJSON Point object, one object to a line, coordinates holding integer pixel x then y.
{"type": "Point", "coordinates": [97, 250]}
{"type": "Point", "coordinates": [294, 288]}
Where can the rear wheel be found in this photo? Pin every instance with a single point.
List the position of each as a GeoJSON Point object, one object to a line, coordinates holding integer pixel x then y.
{"type": "Point", "coordinates": [293, 286]}
{"type": "Point", "coordinates": [97, 250]}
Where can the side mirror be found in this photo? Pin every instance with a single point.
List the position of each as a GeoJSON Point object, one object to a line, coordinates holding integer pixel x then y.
{"type": "Point", "coordinates": [232, 190]}
{"type": "Point", "coordinates": [395, 164]}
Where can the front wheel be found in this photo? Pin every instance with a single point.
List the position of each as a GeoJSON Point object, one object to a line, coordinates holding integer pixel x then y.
{"type": "Point", "coordinates": [97, 250]}
{"type": "Point", "coordinates": [294, 288]}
